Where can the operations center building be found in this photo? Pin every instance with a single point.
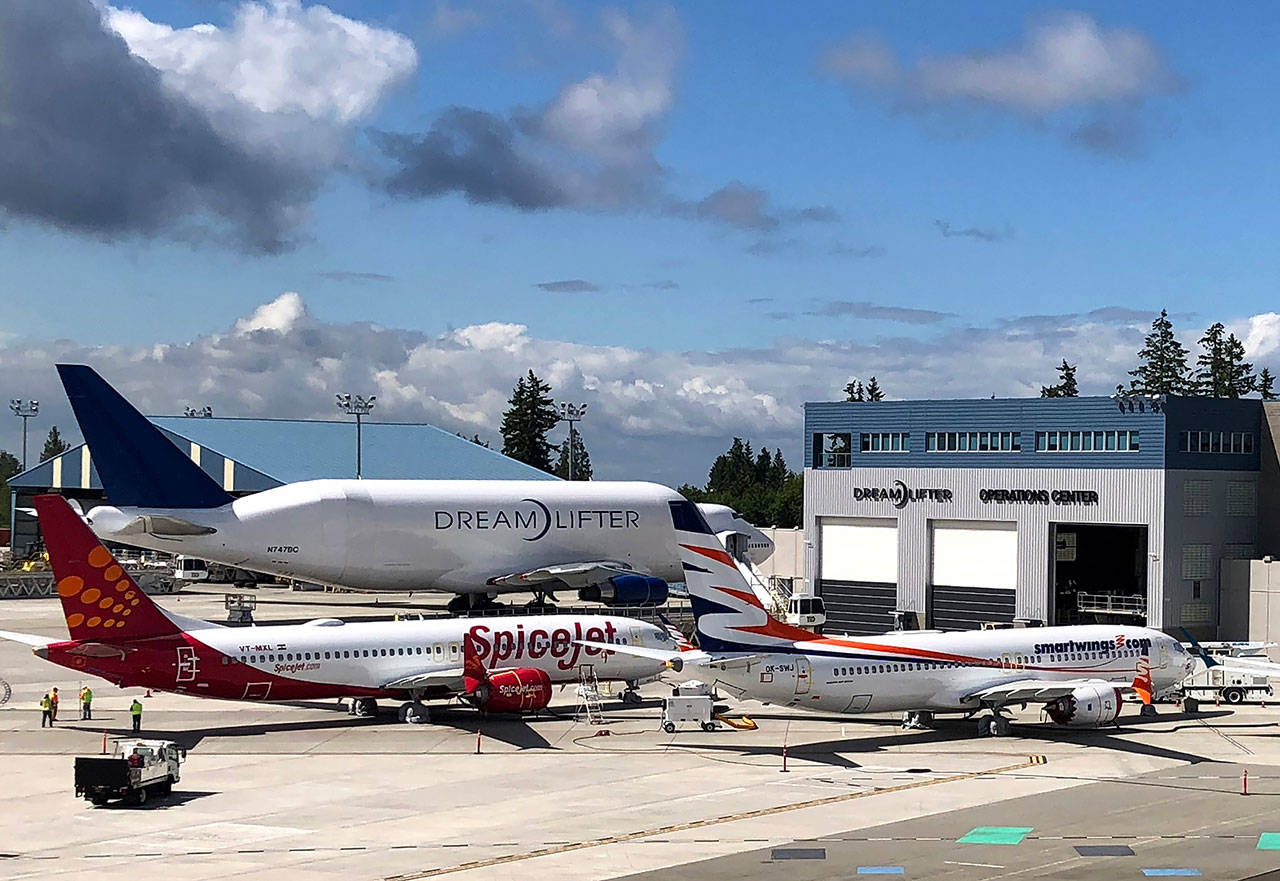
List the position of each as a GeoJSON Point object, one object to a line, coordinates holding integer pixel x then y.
{"type": "Point", "coordinates": [952, 514]}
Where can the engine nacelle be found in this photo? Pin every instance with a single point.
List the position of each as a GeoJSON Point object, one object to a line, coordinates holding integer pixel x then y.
{"type": "Point", "coordinates": [627, 590]}
{"type": "Point", "coordinates": [514, 691]}
{"type": "Point", "coordinates": [1089, 706]}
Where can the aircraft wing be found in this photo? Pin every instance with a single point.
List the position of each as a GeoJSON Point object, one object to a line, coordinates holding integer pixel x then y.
{"type": "Point", "coordinates": [27, 639]}
{"type": "Point", "coordinates": [450, 679]}
{"type": "Point", "coordinates": [674, 659]}
{"type": "Point", "coordinates": [1033, 690]}
{"type": "Point", "coordinates": [572, 575]}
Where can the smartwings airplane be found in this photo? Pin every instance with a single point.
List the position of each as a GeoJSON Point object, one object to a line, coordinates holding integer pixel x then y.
{"type": "Point", "coordinates": [119, 634]}
{"type": "Point", "coordinates": [1079, 674]}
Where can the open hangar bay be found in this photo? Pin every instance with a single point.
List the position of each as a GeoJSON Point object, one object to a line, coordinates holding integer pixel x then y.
{"type": "Point", "coordinates": [306, 790]}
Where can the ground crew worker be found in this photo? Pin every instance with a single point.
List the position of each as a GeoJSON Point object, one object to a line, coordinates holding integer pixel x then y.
{"type": "Point", "coordinates": [135, 710]}
{"type": "Point", "coordinates": [86, 703]}
{"type": "Point", "coordinates": [53, 699]}
{"type": "Point", "coordinates": [46, 710]}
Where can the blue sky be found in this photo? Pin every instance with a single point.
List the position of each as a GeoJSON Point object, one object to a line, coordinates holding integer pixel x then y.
{"type": "Point", "coordinates": [926, 178]}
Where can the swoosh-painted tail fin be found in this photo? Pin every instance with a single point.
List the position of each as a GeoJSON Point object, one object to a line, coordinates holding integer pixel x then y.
{"type": "Point", "coordinates": [100, 601]}
{"type": "Point", "coordinates": [730, 616]}
{"type": "Point", "coordinates": [138, 465]}
{"type": "Point", "coordinates": [1199, 649]}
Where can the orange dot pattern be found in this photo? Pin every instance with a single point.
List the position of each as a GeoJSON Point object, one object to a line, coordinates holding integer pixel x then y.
{"type": "Point", "coordinates": [73, 587]}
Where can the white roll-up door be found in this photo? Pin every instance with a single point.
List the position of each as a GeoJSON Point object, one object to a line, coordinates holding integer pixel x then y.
{"type": "Point", "coordinates": [975, 554]}
{"type": "Point", "coordinates": [862, 550]}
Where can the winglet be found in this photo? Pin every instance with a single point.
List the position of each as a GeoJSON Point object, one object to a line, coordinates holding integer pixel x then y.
{"type": "Point", "coordinates": [1199, 649]}
{"type": "Point", "coordinates": [100, 600]}
{"type": "Point", "coordinates": [138, 465]}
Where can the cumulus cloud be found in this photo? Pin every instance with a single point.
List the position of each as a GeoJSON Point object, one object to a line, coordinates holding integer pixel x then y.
{"type": "Point", "coordinates": [1261, 334]}
{"type": "Point", "coordinates": [656, 414]}
{"type": "Point", "coordinates": [1069, 71]}
{"type": "Point", "coordinates": [590, 148]}
{"type": "Point", "coordinates": [133, 128]}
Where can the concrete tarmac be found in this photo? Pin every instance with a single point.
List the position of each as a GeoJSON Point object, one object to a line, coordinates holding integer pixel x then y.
{"type": "Point", "coordinates": [307, 791]}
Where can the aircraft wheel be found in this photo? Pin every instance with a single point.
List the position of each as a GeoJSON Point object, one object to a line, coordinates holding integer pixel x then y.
{"type": "Point", "coordinates": [631, 698]}
{"type": "Point", "coordinates": [416, 713]}
{"type": "Point", "coordinates": [1233, 695]}
{"type": "Point", "coordinates": [1148, 710]}
{"type": "Point", "coordinates": [1000, 727]}
{"type": "Point", "coordinates": [366, 707]}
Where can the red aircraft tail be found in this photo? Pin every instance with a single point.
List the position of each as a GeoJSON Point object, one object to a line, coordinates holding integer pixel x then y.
{"type": "Point", "coordinates": [100, 600]}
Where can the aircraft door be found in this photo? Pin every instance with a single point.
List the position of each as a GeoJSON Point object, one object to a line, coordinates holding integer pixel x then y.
{"type": "Point", "coordinates": [1164, 654]}
{"type": "Point", "coordinates": [188, 664]}
{"type": "Point", "coordinates": [804, 673]}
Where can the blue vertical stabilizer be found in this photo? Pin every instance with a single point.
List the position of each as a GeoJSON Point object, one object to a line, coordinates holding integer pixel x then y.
{"type": "Point", "coordinates": [138, 465]}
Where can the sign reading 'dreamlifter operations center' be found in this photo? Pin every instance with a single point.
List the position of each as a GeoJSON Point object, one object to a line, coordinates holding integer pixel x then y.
{"type": "Point", "coordinates": [900, 495]}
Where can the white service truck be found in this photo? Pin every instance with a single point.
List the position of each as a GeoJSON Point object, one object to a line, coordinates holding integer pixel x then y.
{"type": "Point", "coordinates": [1231, 686]}
{"type": "Point", "coordinates": [136, 770]}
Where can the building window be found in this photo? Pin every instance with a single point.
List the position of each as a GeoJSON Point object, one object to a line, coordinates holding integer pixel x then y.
{"type": "Point", "coordinates": [886, 442]}
{"type": "Point", "coordinates": [1196, 562]}
{"type": "Point", "coordinates": [973, 441]}
{"type": "Point", "coordinates": [1087, 442]}
{"type": "Point", "coordinates": [1242, 498]}
{"type": "Point", "coordinates": [835, 450]}
{"type": "Point", "coordinates": [1235, 442]}
{"type": "Point", "coordinates": [1195, 498]}
{"type": "Point", "coordinates": [1238, 551]}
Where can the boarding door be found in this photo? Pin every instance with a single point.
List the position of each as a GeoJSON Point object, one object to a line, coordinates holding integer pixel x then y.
{"type": "Point", "coordinates": [1164, 654]}
{"type": "Point", "coordinates": [804, 672]}
{"type": "Point", "coordinates": [188, 664]}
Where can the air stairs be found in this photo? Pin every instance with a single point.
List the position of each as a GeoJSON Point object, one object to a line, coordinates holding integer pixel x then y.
{"type": "Point", "coordinates": [590, 707]}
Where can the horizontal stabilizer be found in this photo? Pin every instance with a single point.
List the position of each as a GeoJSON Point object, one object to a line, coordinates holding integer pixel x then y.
{"type": "Point", "coordinates": [27, 639]}
{"type": "Point", "coordinates": [138, 465]}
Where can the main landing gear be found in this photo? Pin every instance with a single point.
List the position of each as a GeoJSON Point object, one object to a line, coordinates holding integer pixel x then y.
{"type": "Point", "coordinates": [363, 707]}
{"type": "Point", "coordinates": [543, 601]}
{"type": "Point", "coordinates": [414, 712]}
{"type": "Point", "coordinates": [917, 720]}
{"type": "Point", "coordinates": [993, 725]}
{"type": "Point", "coordinates": [631, 697]}
{"type": "Point", "coordinates": [472, 602]}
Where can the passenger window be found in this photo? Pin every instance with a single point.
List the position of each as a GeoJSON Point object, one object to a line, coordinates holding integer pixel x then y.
{"type": "Point", "coordinates": [439, 650]}
{"type": "Point", "coordinates": [453, 648]}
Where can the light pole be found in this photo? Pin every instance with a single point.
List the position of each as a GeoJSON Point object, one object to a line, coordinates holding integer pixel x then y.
{"type": "Point", "coordinates": [24, 409]}
{"type": "Point", "coordinates": [205, 412]}
{"type": "Point", "coordinates": [357, 406]}
{"type": "Point", "coordinates": [571, 413]}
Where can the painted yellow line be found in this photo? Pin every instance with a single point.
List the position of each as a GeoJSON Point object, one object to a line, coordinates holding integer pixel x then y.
{"type": "Point", "coordinates": [701, 824]}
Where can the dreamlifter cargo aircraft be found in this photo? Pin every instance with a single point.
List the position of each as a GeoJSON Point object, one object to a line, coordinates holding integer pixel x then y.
{"type": "Point", "coordinates": [611, 541]}
{"type": "Point", "coordinates": [500, 665]}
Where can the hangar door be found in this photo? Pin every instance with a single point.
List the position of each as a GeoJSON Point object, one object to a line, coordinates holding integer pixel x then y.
{"type": "Point", "coordinates": [975, 573]}
{"type": "Point", "coordinates": [858, 573]}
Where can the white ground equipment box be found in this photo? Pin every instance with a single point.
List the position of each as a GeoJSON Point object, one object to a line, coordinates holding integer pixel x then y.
{"type": "Point", "coordinates": [689, 703]}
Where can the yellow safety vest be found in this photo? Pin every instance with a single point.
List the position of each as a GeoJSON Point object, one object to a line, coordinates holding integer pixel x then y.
{"type": "Point", "coordinates": [45, 703]}
{"type": "Point", "coordinates": [87, 697]}
{"type": "Point", "coordinates": [135, 708]}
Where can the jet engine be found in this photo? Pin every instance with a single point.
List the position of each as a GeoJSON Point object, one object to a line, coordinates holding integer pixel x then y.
{"type": "Point", "coordinates": [522, 690]}
{"type": "Point", "coordinates": [1089, 706]}
{"type": "Point", "coordinates": [627, 590]}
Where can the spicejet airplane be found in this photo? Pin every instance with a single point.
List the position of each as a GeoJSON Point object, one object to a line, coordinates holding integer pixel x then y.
{"type": "Point", "coordinates": [1078, 673]}
{"type": "Point", "coordinates": [119, 634]}
{"type": "Point", "coordinates": [610, 541]}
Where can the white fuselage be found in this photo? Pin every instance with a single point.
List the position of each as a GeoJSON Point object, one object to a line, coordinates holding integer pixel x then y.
{"type": "Point", "coordinates": [328, 656]}
{"type": "Point", "coordinates": [941, 671]}
{"type": "Point", "coordinates": [449, 535]}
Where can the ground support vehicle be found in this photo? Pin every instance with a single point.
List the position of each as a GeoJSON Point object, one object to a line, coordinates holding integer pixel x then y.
{"type": "Point", "coordinates": [135, 771]}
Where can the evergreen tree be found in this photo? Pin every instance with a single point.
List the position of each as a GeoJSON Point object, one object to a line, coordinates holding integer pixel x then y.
{"type": "Point", "coordinates": [1223, 372]}
{"type": "Point", "coordinates": [853, 391]}
{"type": "Point", "coordinates": [527, 421]}
{"type": "Point", "coordinates": [9, 466]}
{"type": "Point", "coordinates": [759, 487]}
{"type": "Point", "coordinates": [1162, 362]}
{"type": "Point", "coordinates": [1266, 384]}
{"type": "Point", "coordinates": [475, 439]}
{"type": "Point", "coordinates": [54, 445]}
{"type": "Point", "coordinates": [581, 459]}
{"type": "Point", "coordinates": [1066, 386]}
{"type": "Point", "coordinates": [874, 392]}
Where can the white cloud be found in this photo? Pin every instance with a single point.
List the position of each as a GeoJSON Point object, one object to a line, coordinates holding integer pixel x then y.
{"type": "Point", "coordinates": [655, 414]}
{"type": "Point", "coordinates": [1066, 64]}
{"type": "Point", "coordinates": [612, 117]}
{"type": "Point", "coordinates": [276, 58]}
{"type": "Point", "coordinates": [1261, 334]}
